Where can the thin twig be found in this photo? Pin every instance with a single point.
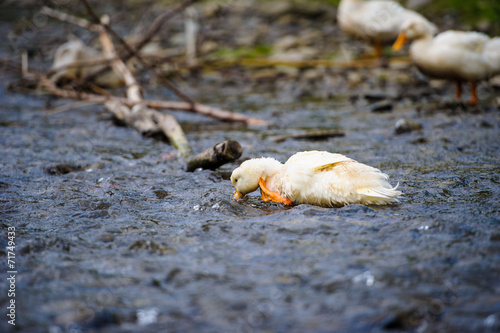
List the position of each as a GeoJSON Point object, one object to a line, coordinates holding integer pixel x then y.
{"type": "Point", "coordinates": [157, 23]}
{"type": "Point", "coordinates": [154, 104]}
{"type": "Point", "coordinates": [135, 53]}
{"type": "Point", "coordinates": [133, 88]}
{"type": "Point", "coordinates": [69, 106]}
{"type": "Point", "coordinates": [70, 19]}
{"type": "Point", "coordinates": [141, 118]}
{"type": "Point", "coordinates": [79, 64]}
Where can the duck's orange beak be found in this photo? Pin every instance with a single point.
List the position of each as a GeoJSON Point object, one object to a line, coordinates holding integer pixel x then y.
{"type": "Point", "coordinates": [237, 195]}
{"type": "Point", "coordinates": [400, 42]}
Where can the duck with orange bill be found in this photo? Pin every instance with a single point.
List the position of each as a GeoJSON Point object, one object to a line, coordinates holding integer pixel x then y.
{"type": "Point", "coordinates": [378, 22]}
{"type": "Point", "coordinates": [316, 178]}
{"type": "Point", "coordinates": [458, 56]}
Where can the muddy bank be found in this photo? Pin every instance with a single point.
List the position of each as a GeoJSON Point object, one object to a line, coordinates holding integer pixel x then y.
{"type": "Point", "coordinates": [112, 235]}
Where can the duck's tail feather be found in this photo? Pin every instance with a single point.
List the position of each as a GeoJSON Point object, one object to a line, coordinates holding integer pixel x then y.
{"type": "Point", "coordinates": [380, 195]}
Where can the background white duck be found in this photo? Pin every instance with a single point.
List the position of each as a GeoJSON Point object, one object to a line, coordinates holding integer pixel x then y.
{"type": "Point", "coordinates": [453, 55]}
{"type": "Point", "coordinates": [378, 22]}
{"type": "Point", "coordinates": [314, 177]}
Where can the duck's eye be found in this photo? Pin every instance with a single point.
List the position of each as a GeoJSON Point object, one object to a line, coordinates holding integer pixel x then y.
{"type": "Point", "coordinates": [236, 180]}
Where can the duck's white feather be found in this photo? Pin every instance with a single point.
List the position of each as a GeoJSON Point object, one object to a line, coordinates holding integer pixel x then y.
{"type": "Point", "coordinates": [325, 179]}
{"type": "Point", "coordinates": [454, 55]}
{"type": "Point", "coordinates": [378, 20]}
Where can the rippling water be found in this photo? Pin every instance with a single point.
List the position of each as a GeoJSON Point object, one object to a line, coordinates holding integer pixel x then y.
{"type": "Point", "coordinates": [128, 241]}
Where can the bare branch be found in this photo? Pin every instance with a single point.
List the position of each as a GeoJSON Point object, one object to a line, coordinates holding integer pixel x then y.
{"type": "Point", "coordinates": [70, 19]}
{"type": "Point", "coordinates": [154, 104]}
{"type": "Point", "coordinates": [135, 52]}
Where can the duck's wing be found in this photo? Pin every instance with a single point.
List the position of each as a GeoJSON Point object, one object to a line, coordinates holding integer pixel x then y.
{"type": "Point", "coordinates": [330, 166]}
{"type": "Point", "coordinates": [469, 41]}
{"type": "Point", "coordinates": [473, 55]}
{"type": "Point", "coordinates": [384, 193]}
{"type": "Point", "coordinates": [492, 55]}
{"type": "Point", "coordinates": [358, 182]}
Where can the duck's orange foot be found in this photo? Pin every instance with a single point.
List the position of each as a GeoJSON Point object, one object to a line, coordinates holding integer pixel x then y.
{"type": "Point", "coordinates": [473, 95]}
{"type": "Point", "coordinates": [267, 195]}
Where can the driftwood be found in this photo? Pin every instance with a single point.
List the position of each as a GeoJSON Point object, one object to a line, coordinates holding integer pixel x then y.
{"type": "Point", "coordinates": [189, 105]}
{"type": "Point", "coordinates": [205, 110]}
{"type": "Point", "coordinates": [140, 114]}
{"type": "Point", "coordinates": [140, 117]}
{"type": "Point", "coordinates": [214, 157]}
{"type": "Point", "coordinates": [149, 34]}
{"type": "Point", "coordinates": [135, 52]}
{"type": "Point", "coordinates": [264, 62]}
{"type": "Point", "coordinates": [313, 136]}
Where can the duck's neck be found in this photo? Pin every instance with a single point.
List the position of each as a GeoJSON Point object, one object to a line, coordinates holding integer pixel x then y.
{"type": "Point", "coordinates": [270, 167]}
{"type": "Point", "coordinates": [420, 45]}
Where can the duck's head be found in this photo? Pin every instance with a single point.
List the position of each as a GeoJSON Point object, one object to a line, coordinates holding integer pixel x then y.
{"type": "Point", "coordinates": [414, 28]}
{"type": "Point", "coordinates": [246, 177]}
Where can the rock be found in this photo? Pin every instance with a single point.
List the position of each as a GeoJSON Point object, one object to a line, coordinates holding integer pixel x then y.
{"type": "Point", "coordinates": [382, 106]}
{"type": "Point", "coordinates": [286, 43]}
{"type": "Point", "coordinates": [62, 168]}
{"type": "Point", "coordinates": [106, 237]}
{"type": "Point", "coordinates": [378, 95]}
{"type": "Point", "coordinates": [419, 141]}
{"type": "Point", "coordinates": [209, 46]}
{"type": "Point", "coordinates": [406, 126]}
{"type": "Point", "coordinates": [354, 79]}
{"type": "Point", "coordinates": [311, 74]}
{"type": "Point", "coordinates": [437, 84]}
{"type": "Point", "coordinates": [495, 81]}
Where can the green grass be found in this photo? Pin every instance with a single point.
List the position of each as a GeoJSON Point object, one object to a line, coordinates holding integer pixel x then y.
{"type": "Point", "coordinates": [471, 11]}
{"type": "Point", "coordinates": [243, 52]}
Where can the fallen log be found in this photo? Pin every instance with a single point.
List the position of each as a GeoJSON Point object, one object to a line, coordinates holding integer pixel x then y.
{"type": "Point", "coordinates": [214, 157]}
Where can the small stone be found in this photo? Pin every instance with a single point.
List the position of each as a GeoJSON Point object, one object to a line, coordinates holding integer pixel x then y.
{"type": "Point", "coordinates": [495, 81]}
{"type": "Point", "coordinates": [382, 106]}
{"type": "Point", "coordinates": [106, 237]}
{"type": "Point", "coordinates": [419, 141]}
{"type": "Point", "coordinates": [354, 79]}
{"type": "Point", "coordinates": [495, 237]}
{"type": "Point", "coordinates": [406, 126]}
{"type": "Point", "coordinates": [378, 95]}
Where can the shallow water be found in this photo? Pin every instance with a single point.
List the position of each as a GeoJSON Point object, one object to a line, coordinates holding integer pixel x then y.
{"type": "Point", "coordinates": [128, 241]}
{"type": "Point", "coordinates": [112, 235]}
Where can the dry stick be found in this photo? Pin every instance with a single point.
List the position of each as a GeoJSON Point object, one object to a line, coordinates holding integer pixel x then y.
{"type": "Point", "coordinates": [209, 159]}
{"type": "Point", "coordinates": [135, 51]}
{"type": "Point", "coordinates": [133, 89]}
{"type": "Point", "coordinates": [168, 105]}
{"type": "Point", "coordinates": [265, 62]}
{"type": "Point", "coordinates": [154, 104]}
{"type": "Point", "coordinates": [70, 19]}
{"type": "Point", "coordinates": [136, 54]}
{"type": "Point", "coordinates": [321, 135]}
{"type": "Point", "coordinates": [78, 64]}
{"type": "Point", "coordinates": [142, 118]}
{"type": "Point", "coordinates": [69, 106]}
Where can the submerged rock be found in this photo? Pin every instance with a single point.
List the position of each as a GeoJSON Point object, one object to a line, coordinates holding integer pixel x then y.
{"type": "Point", "coordinates": [382, 106]}
{"type": "Point", "coordinates": [406, 126]}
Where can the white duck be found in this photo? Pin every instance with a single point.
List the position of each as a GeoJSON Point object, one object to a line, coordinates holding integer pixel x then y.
{"type": "Point", "coordinates": [453, 55]}
{"type": "Point", "coordinates": [314, 177]}
{"type": "Point", "coordinates": [378, 22]}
